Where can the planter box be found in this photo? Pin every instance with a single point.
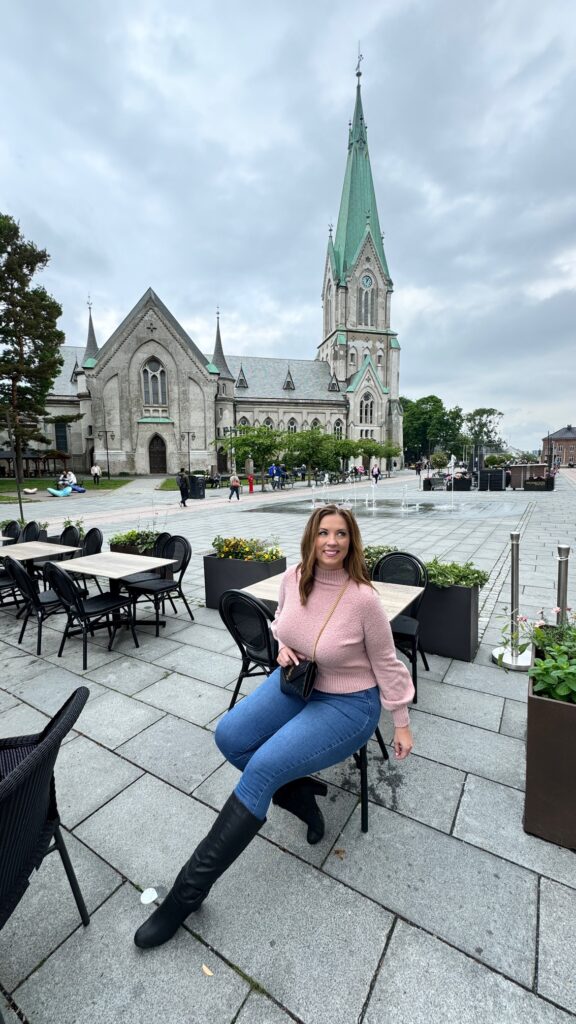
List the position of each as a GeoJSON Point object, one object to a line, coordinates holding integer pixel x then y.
{"type": "Point", "coordinates": [461, 485]}
{"type": "Point", "coordinates": [222, 574]}
{"type": "Point", "coordinates": [535, 485]}
{"type": "Point", "coordinates": [550, 807]}
{"type": "Point", "coordinates": [448, 620]}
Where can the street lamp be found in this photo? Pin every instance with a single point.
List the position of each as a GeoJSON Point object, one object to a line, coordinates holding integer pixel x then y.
{"type": "Point", "coordinates": [191, 437]}
{"type": "Point", "coordinates": [106, 434]}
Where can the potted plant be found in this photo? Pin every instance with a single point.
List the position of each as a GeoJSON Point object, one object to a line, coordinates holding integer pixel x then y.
{"type": "Point", "coordinates": [237, 562]}
{"type": "Point", "coordinates": [448, 614]}
{"type": "Point", "coordinates": [373, 552]}
{"type": "Point", "coordinates": [549, 809]}
{"type": "Point", "coordinates": [134, 542]}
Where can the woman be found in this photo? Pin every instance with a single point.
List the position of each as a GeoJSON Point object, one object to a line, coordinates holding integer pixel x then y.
{"type": "Point", "coordinates": [234, 487]}
{"type": "Point", "coordinates": [276, 739]}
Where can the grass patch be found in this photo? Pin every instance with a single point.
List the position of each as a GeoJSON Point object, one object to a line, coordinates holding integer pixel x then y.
{"type": "Point", "coordinates": [8, 484]}
{"type": "Point", "coordinates": [169, 484]}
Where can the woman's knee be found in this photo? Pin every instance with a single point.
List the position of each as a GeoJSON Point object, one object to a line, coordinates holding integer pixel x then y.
{"type": "Point", "coordinates": [228, 738]}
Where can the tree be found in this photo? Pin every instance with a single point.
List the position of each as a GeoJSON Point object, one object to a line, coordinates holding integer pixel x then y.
{"type": "Point", "coordinates": [482, 426]}
{"type": "Point", "coordinates": [310, 448]}
{"type": "Point", "coordinates": [261, 444]}
{"type": "Point", "coordinates": [30, 340]}
{"type": "Point", "coordinates": [428, 424]}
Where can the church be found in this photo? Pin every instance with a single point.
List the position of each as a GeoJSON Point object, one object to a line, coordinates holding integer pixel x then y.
{"type": "Point", "coordinates": [151, 401]}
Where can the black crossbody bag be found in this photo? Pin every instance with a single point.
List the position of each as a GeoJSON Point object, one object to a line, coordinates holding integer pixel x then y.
{"type": "Point", "coordinates": [298, 680]}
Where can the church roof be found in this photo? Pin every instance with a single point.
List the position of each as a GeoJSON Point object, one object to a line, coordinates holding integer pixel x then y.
{"type": "Point", "coordinates": [266, 377]}
{"type": "Point", "coordinates": [64, 385]}
{"type": "Point", "coordinates": [219, 359]}
{"type": "Point", "coordinates": [564, 434]}
{"type": "Point", "coordinates": [358, 216]}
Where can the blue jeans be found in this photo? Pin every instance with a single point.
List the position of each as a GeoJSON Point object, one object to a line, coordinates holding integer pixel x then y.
{"type": "Point", "coordinates": [274, 738]}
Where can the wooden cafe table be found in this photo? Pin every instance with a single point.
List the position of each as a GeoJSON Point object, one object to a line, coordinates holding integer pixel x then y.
{"type": "Point", "coordinates": [32, 549]}
{"type": "Point", "coordinates": [394, 597]}
{"type": "Point", "coordinates": [114, 566]}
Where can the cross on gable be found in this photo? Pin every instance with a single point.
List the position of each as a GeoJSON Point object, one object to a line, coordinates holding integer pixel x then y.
{"type": "Point", "coordinates": [150, 325]}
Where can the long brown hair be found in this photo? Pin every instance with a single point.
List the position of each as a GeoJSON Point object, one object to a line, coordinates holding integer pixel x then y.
{"type": "Point", "coordinates": [354, 563]}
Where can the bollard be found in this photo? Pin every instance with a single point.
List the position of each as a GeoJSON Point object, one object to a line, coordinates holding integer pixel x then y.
{"type": "Point", "coordinates": [562, 592]}
{"type": "Point", "coordinates": [510, 657]}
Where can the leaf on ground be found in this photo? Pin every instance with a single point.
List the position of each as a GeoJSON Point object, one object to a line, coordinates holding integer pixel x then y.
{"type": "Point", "coordinates": [207, 971]}
{"type": "Point", "coordinates": [340, 852]}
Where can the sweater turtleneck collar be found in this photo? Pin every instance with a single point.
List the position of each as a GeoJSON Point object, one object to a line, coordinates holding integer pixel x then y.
{"type": "Point", "coordinates": [332, 577]}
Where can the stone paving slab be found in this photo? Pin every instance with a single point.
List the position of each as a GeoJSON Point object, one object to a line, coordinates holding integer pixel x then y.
{"type": "Point", "coordinates": [463, 705]}
{"type": "Point", "coordinates": [417, 787]}
{"type": "Point", "coordinates": [462, 894]}
{"type": "Point", "coordinates": [176, 751]}
{"type": "Point", "coordinates": [21, 721]}
{"type": "Point", "coordinates": [490, 816]}
{"type": "Point", "coordinates": [125, 984]}
{"type": "Point", "coordinates": [488, 754]}
{"type": "Point", "coordinates": [127, 675]}
{"type": "Point", "coordinates": [282, 828]}
{"type": "Point", "coordinates": [514, 719]}
{"type": "Point", "coordinates": [186, 697]}
{"type": "Point", "coordinates": [260, 1010]}
{"type": "Point", "coordinates": [48, 690]}
{"type": "Point", "coordinates": [493, 680]}
{"type": "Point", "coordinates": [207, 638]}
{"type": "Point", "coordinates": [424, 981]}
{"type": "Point", "coordinates": [17, 665]}
{"type": "Point", "coordinates": [319, 972]}
{"type": "Point", "coordinates": [87, 776]}
{"type": "Point", "coordinates": [113, 718]}
{"type": "Point", "coordinates": [7, 701]}
{"type": "Point", "coordinates": [207, 666]}
{"type": "Point", "coordinates": [556, 974]}
{"type": "Point", "coordinates": [7, 1012]}
{"type": "Point", "coordinates": [47, 913]}
{"type": "Point", "coordinates": [72, 656]}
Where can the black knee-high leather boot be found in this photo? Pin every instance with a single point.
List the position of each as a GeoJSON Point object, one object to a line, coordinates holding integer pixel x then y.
{"type": "Point", "coordinates": [298, 797]}
{"type": "Point", "coordinates": [233, 830]}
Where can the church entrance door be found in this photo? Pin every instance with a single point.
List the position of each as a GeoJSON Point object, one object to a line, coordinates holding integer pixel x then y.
{"type": "Point", "coordinates": [157, 453]}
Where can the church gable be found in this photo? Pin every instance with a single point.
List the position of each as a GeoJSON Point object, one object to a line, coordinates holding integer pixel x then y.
{"type": "Point", "coordinates": [367, 376]}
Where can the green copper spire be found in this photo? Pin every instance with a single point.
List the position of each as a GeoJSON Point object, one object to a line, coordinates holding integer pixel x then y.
{"type": "Point", "coordinates": [358, 211]}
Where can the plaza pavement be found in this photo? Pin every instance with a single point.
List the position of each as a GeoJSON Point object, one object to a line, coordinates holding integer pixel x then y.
{"type": "Point", "coordinates": [444, 912]}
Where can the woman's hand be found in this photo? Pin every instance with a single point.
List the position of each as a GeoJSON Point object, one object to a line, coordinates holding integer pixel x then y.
{"type": "Point", "coordinates": [286, 656]}
{"type": "Point", "coordinates": [402, 742]}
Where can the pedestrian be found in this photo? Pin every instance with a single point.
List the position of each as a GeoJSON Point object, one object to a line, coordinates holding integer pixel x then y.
{"type": "Point", "coordinates": [96, 473]}
{"type": "Point", "coordinates": [183, 487]}
{"type": "Point", "coordinates": [70, 478]}
{"type": "Point", "coordinates": [328, 611]}
{"type": "Point", "coordinates": [234, 487]}
{"type": "Point", "coordinates": [272, 475]}
{"type": "Point", "coordinates": [376, 474]}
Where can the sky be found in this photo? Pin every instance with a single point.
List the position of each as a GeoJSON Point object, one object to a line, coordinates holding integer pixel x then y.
{"type": "Point", "coordinates": [199, 148]}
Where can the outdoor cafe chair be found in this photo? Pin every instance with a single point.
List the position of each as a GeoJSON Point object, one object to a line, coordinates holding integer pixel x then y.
{"type": "Point", "coordinates": [87, 613]}
{"type": "Point", "coordinates": [29, 819]}
{"type": "Point", "coordinates": [30, 532]}
{"type": "Point", "coordinates": [91, 544]}
{"type": "Point", "coordinates": [155, 588]}
{"type": "Point", "coordinates": [42, 604]}
{"type": "Point", "coordinates": [248, 621]}
{"type": "Point", "coordinates": [69, 537]}
{"type": "Point", "coordinates": [11, 530]}
{"type": "Point", "coordinates": [157, 552]}
{"type": "Point", "coordinates": [402, 567]}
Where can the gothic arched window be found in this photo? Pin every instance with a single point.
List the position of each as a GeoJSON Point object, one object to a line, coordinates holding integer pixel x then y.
{"type": "Point", "coordinates": [366, 302]}
{"type": "Point", "coordinates": [292, 426]}
{"type": "Point", "coordinates": [338, 426]}
{"type": "Point", "coordinates": [268, 423]}
{"type": "Point", "coordinates": [315, 424]}
{"type": "Point", "coordinates": [352, 357]}
{"type": "Point", "coordinates": [379, 358]}
{"type": "Point", "coordinates": [366, 408]}
{"type": "Point", "coordinates": [243, 422]}
{"type": "Point", "coordinates": [154, 383]}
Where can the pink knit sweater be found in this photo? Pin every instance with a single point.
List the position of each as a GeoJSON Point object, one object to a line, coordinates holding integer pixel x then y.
{"type": "Point", "coordinates": [356, 650]}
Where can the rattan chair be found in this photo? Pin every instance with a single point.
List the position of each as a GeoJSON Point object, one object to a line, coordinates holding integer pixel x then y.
{"type": "Point", "coordinates": [156, 589]}
{"type": "Point", "coordinates": [86, 614]}
{"type": "Point", "coordinates": [29, 819]}
{"type": "Point", "coordinates": [42, 604]}
{"type": "Point", "coordinates": [402, 567]}
{"type": "Point", "coordinates": [248, 621]}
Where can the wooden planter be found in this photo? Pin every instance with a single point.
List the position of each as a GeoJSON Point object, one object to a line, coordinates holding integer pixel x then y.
{"type": "Point", "coordinates": [448, 620]}
{"type": "Point", "coordinates": [222, 574]}
{"type": "Point", "coordinates": [550, 807]}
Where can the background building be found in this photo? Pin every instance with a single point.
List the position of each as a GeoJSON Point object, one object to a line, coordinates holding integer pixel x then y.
{"type": "Point", "coordinates": [560, 447]}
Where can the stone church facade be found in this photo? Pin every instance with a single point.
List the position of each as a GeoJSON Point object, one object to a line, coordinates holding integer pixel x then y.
{"type": "Point", "coordinates": [151, 401]}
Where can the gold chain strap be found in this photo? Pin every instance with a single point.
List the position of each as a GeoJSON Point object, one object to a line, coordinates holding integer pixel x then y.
{"type": "Point", "coordinates": [328, 617]}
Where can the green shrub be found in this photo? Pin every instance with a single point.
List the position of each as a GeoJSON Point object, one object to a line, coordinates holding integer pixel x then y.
{"type": "Point", "coordinates": [141, 539]}
{"type": "Point", "coordinates": [452, 574]}
{"type": "Point", "coordinates": [375, 551]}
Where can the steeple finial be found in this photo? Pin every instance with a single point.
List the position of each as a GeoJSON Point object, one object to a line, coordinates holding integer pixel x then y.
{"type": "Point", "coordinates": [89, 302]}
{"type": "Point", "coordinates": [360, 59]}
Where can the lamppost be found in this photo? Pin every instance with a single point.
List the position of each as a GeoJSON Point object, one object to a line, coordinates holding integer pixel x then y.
{"type": "Point", "coordinates": [106, 434]}
{"type": "Point", "coordinates": [191, 437]}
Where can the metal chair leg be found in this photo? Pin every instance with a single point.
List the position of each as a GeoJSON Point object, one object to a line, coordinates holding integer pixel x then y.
{"type": "Point", "coordinates": [363, 757]}
{"type": "Point", "coordinates": [423, 656]}
{"type": "Point", "coordinates": [61, 847]}
{"type": "Point", "coordinates": [382, 745]}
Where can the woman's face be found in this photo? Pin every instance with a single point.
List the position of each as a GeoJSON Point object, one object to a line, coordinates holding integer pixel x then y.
{"type": "Point", "coordinates": [332, 542]}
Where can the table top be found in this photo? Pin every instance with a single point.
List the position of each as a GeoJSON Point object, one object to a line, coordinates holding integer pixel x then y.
{"type": "Point", "coordinates": [394, 597]}
{"type": "Point", "coordinates": [35, 549]}
{"type": "Point", "coordinates": [114, 565]}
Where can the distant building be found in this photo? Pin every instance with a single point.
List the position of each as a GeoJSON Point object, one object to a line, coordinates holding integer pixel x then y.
{"type": "Point", "coordinates": [562, 447]}
{"type": "Point", "coordinates": [151, 399]}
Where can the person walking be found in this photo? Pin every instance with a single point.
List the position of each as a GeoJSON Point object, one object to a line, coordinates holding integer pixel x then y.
{"type": "Point", "coordinates": [375, 474]}
{"type": "Point", "coordinates": [96, 473]}
{"type": "Point", "coordinates": [328, 611]}
{"type": "Point", "coordinates": [234, 487]}
{"type": "Point", "coordinates": [183, 487]}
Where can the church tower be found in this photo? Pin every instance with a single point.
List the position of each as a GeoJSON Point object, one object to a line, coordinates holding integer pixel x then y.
{"type": "Point", "coordinates": [358, 343]}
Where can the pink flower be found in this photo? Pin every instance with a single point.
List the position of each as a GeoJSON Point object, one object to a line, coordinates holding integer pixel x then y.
{"type": "Point", "coordinates": [540, 623]}
{"type": "Point", "coordinates": [522, 618]}
{"type": "Point", "coordinates": [555, 611]}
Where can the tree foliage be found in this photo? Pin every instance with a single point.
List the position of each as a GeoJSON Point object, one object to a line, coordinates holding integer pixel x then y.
{"type": "Point", "coordinates": [30, 340]}
{"type": "Point", "coordinates": [261, 444]}
{"type": "Point", "coordinates": [428, 424]}
{"type": "Point", "coordinates": [482, 426]}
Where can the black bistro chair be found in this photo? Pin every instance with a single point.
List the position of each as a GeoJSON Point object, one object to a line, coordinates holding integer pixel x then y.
{"type": "Point", "coordinates": [91, 544]}
{"type": "Point", "coordinates": [402, 567]}
{"type": "Point", "coordinates": [86, 614]}
{"type": "Point", "coordinates": [11, 530]}
{"type": "Point", "coordinates": [29, 819]}
{"type": "Point", "coordinates": [157, 552]}
{"type": "Point", "coordinates": [70, 537]}
{"type": "Point", "coordinates": [248, 621]}
{"type": "Point", "coordinates": [157, 589]}
{"type": "Point", "coordinates": [30, 532]}
{"type": "Point", "coordinates": [42, 604]}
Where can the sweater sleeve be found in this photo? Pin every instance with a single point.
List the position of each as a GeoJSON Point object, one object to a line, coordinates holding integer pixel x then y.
{"type": "Point", "coordinates": [281, 598]}
{"type": "Point", "coordinates": [393, 678]}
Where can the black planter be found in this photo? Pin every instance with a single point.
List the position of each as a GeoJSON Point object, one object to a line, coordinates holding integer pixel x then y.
{"type": "Point", "coordinates": [222, 574]}
{"type": "Point", "coordinates": [535, 485]}
{"type": "Point", "coordinates": [426, 484]}
{"type": "Point", "coordinates": [461, 485]}
{"type": "Point", "coordinates": [448, 620]}
{"type": "Point", "coordinates": [549, 810]}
